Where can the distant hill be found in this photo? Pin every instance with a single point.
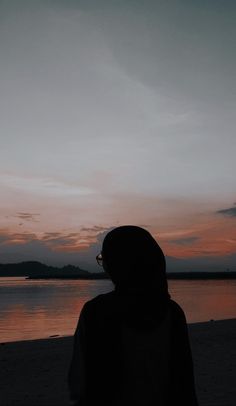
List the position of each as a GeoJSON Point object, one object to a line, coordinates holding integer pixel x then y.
{"type": "Point", "coordinates": [37, 270]}
{"type": "Point", "coordinates": [201, 275]}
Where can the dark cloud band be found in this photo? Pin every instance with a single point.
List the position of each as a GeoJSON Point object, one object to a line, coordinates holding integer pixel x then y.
{"type": "Point", "coordinates": [185, 241]}
{"type": "Point", "coordinates": [231, 211]}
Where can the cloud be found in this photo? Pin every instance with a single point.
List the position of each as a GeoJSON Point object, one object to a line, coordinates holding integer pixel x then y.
{"type": "Point", "coordinates": [230, 212]}
{"type": "Point", "coordinates": [95, 229]}
{"type": "Point", "coordinates": [49, 235]}
{"type": "Point", "coordinates": [28, 216]}
{"type": "Point", "coordinates": [44, 186]}
{"type": "Point", "coordinates": [73, 243]}
{"type": "Point", "coordinates": [7, 238]}
{"type": "Point", "coordinates": [232, 240]}
{"type": "Point", "coordinates": [3, 239]}
{"type": "Point", "coordinates": [185, 240]}
{"type": "Point", "coordinates": [54, 248]}
{"type": "Point", "coordinates": [18, 247]}
{"type": "Point", "coordinates": [64, 242]}
{"type": "Point", "coordinates": [89, 239]}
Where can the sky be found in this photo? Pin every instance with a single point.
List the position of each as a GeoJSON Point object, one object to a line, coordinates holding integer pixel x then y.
{"type": "Point", "coordinates": [117, 112]}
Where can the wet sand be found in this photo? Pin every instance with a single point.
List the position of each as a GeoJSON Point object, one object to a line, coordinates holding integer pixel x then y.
{"type": "Point", "coordinates": [33, 373]}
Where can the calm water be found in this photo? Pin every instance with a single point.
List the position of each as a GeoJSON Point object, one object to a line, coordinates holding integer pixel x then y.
{"type": "Point", "coordinates": [32, 309]}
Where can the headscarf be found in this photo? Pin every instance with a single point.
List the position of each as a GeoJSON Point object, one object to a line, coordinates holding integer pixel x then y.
{"type": "Point", "coordinates": [136, 265]}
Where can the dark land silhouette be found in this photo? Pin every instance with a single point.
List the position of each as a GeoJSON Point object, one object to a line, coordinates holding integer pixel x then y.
{"type": "Point", "coordinates": [38, 270]}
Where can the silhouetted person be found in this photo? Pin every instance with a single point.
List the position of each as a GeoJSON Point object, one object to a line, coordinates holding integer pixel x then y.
{"type": "Point", "coordinates": [131, 345]}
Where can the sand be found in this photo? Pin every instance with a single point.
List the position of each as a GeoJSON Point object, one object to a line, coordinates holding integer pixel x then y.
{"type": "Point", "coordinates": [33, 373]}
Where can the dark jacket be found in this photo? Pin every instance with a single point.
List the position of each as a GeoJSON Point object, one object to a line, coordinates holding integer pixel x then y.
{"type": "Point", "coordinates": [97, 366]}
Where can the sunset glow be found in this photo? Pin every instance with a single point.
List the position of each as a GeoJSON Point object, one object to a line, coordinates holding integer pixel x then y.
{"type": "Point", "coordinates": [113, 116]}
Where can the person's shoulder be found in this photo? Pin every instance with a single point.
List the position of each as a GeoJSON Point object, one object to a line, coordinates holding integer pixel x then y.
{"type": "Point", "coordinates": [177, 311]}
{"type": "Point", "coordinates": [99, 302]}
{"type": "Point", "coordinates": [97, 310]}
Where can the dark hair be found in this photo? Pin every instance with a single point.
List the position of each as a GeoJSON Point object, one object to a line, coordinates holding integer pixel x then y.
{"type": "Point", "coordinates": [133, 258]}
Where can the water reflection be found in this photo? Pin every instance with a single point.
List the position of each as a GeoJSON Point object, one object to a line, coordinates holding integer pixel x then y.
{"type": "Point", "coordinates": [39, 308]}
{"type": "Point", "coordinates": [205, 300]}
{"type": "Point", "coordinates": [33, 309]}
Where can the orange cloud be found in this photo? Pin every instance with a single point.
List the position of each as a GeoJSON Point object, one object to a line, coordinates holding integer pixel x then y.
{"type": "Point", "coordinates": [216, 237]}
{"type": "Point", "coordinates": [181, 228]}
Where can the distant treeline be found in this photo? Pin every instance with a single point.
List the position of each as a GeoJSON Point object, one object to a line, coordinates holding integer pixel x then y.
{"type": "Point", "coordinates": [202, 275]}
{"type": "Point", "coordinates": [37, 270]}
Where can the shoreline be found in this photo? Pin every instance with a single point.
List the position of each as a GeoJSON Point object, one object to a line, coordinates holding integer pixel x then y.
{"type": "Point", "coordinates": [187, 275]}
{"type": "Point", "coordinates": [176, 275]}
{"type": "Point", "coordinates": [59, 337]}
{"type": "Point", "coordinates": [34, 372]}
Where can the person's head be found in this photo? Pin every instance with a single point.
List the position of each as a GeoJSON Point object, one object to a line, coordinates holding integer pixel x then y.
{"type": "Point", "coordinates": [133, 259]}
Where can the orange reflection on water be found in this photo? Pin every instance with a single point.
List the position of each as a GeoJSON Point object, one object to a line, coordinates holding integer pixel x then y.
{"type": "Point", "coordinates": [37, 309]}
{"type": "Point", "coordinates": [205, 299]}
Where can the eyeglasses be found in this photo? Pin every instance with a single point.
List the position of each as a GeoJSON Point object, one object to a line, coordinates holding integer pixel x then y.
{"type": "Point", "coordinates": [99, 259]}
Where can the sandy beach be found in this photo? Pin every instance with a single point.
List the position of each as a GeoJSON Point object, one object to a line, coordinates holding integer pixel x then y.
{"type": "Point", "coordinates": [33, 373]}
